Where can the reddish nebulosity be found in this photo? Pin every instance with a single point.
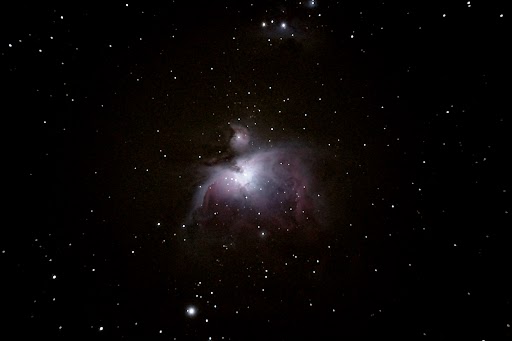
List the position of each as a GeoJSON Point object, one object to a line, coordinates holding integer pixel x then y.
{"type": "Point", "coordinates": [257, 188]}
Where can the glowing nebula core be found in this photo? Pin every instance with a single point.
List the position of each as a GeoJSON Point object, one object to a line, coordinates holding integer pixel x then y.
{"type": "Point", "coordinates": [255, 187]}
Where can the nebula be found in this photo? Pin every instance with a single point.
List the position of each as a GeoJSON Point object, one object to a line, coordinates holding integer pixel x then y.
{"type": "Point", "coordinates": [269, 188]}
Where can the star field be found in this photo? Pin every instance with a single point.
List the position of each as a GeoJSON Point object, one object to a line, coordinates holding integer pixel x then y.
{"type": "Point", "coordinates": [240, 170]}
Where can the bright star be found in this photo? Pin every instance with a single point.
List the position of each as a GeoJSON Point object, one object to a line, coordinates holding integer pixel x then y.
{"type": "Point", "coordinates": [191, 311]}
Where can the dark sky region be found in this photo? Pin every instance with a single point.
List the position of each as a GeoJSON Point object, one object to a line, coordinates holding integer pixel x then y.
{"type": "Point", "coordinates": [267, 170]}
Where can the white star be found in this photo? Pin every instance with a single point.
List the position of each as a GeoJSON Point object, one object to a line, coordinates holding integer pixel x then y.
{"type": "Point", "coordinates": [191, 311]}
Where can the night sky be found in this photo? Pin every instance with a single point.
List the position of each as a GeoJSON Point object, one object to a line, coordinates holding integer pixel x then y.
{"type": "Point", "coordinates": [238, 170]}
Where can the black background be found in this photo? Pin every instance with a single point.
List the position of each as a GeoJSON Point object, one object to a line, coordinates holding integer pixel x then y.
{"type": "Point", "coordinates": [410, 116]}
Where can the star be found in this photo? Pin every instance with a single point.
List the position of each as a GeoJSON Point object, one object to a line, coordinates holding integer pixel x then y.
{"type": "Point", "coordinates": [191, 311]}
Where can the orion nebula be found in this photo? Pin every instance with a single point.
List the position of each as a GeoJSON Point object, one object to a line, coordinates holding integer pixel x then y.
{"type": "Point", "coordinates": [256, 170]}
{"type": "Point", "coordinates": [251, 187]}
